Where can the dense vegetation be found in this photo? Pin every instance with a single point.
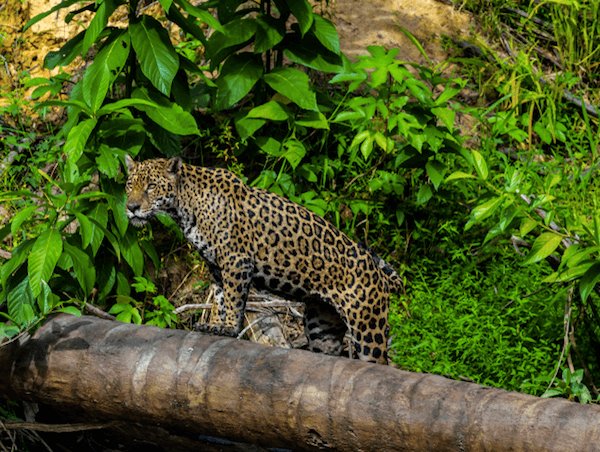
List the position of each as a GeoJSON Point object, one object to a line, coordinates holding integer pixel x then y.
{"type": "Point", "coordinates": [475, 177]}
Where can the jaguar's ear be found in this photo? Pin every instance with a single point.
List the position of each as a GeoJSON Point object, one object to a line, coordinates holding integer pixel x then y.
{"type": "Point", "coordinates": [129, 162]}
{"type": "Point", "coordinates": [174, 166]}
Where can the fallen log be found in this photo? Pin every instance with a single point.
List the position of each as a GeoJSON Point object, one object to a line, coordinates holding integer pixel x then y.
{"type": "Point", "coordinates": [228, 388]}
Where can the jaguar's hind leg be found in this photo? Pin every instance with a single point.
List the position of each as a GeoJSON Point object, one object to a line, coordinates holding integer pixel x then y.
{"type": "Point", "coordinates": [324, 328]}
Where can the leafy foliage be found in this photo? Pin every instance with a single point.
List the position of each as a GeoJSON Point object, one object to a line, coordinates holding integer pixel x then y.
{"type": "Point", "coordinates": [372, 144]}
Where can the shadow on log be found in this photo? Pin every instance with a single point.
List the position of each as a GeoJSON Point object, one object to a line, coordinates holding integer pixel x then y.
{"type": "Point", "coordinates": [276, 397]}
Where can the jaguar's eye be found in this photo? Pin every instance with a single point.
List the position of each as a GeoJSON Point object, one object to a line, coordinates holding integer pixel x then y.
{"type": "Point", "coordinates": [150, 187]}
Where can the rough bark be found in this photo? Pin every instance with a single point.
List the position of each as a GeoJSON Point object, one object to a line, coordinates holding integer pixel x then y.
{"type": "Point", "coordinates": [275, 397]}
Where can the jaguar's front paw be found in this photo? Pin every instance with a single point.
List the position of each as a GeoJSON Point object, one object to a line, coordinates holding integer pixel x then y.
{"type": "Point", "coordinates": [218, 330]}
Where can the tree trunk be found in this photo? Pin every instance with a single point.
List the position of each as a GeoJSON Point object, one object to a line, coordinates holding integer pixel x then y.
{"type": "Point", "coordinates": [278, 398]}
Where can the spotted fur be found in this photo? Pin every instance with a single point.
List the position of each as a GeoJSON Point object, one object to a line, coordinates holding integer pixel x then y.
{"type": "Point", "coordinates": [249, 236]}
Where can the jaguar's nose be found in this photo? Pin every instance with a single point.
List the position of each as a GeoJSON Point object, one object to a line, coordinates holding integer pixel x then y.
{"type": "Point", "coordinates": [132, 206]}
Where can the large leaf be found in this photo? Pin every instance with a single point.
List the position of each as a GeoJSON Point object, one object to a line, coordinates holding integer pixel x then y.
{"type": "Point", "coordinates": [294, 152]}
{"type": "Point", "coordinates": [543, 247]}
{"type": "Point", "coordinates": [98, 23]}
{"type": "Point", "coordinates": [20, 218]}
{"type": "Point", "coordinates": [269, 33]}
{"type": "Point", "coordinates": [302, 10]}
{"type": "Point", "coordinates": [589, 280]}
{"type": "Point", "coordinates": [36, 19]}
{"type": "Point", "coordinates": [43, 258]}
{"type": "Point", "coordinates": [75, 145]}
{"type": "Point", "coordinates": [294, 85]}
{"type": "Point", "coordinates": [132, 253]}
{"type": "Point", "coordinates": [117, 206]}
{"type": "Point", "coordinates": [310, 53]}
{"type": "Point", "coordinates": [246, 127]}
{"type": "Point", "coordinates": [272, 110]}
{"type": "Point", "coordinates": [20, 302]}
{"type": "Point", "coordinates": [484, 210]}
{"type": "Point", "coordinates": [238, 75]}
{"type": "Point", "coordinates": [99, 217]}
{"type": "Point", "coordinates": [326, 33]}
{"type": "Point", "coordinates": [313, 119]}
{"type": "Point", "coordinates": [106, 67]}
{"type": "Point", "coordinates": [156, 55]}
{"type": "Point", "coordinates": [108, 161]}
{"type": "Point", "coordinates": [187, 24]}
{"type": "Point", "coordinates": [66, 54]}
{"type": "Point", "coordinates": [83, 267]}
{"type": "Point", "coordinates": [166, 114]}
{"type": "Point", "coordinates": [19, 255]}
{"type": "Point", "coordinates": [235, 34]}
{"type": "Point", "coordinates": [480, 165]}
{"type": "Point", "coordinates": [199, 13]}
{"type": "Point", "coordinates": [436, 171]}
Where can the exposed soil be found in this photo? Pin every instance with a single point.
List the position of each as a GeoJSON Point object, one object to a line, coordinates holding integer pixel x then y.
{"type": "Point", "coordinates": [363, 23]}
{"type": "Point", "coordinates": [360, 23]}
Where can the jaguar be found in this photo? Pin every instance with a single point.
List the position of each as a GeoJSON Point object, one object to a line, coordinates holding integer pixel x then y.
{"type": "Point", "coordinates": [252, 237]}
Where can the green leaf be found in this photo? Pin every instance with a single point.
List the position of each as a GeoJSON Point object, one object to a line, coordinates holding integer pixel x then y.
{"type": "Point", "coordinates": [446, 115]}
{"type": "Point", "coordinates": [98, 23]}
{"type": "Point", "coordinates": [326, 33]}
{"type": "Point", "coordinates": [46, 300]}
{"type": "Point", "coordinates": [132, 253]}
{"type": "Point", "coordinates": [168, 115]}
{"type": "Point", "coordinates": [108, 161]}
{"type": "Point", "coordinates": [124, 104]}
{"type": "Point", "coordinates": [294, 152]}
{"type": "Point", "coordinates": [36, 19]}
{"type": "Point", "coordinates": [447, 94]}
{"type": "Point", "coordinates": [272, 110]}
{"type": "Point", "coordinates": [234, 34]}
{"type": "Point", "coordinates": [117, 206]}
{"type": "Point", "coordinates": [459, 175]}
{"type": "Point", "coordinates": [310, 53]}
{"type": "Point", "coordinates": [84, 270]}
{"type": "Point", "coordinates": [20, 218]}
{"type": "Point", "coordinates": [20, 302]}
{"type": "Point", "coordinates": [435, 170]}
{"type": "Point", "coordinates": [424, 194]}
{"type": "Point", "coordinates": [43, 258]}
{"type": "Point", "coordinates": [589, 280]}
{"type": "Point", "coordinates": [483, 211]}
{"type": "Point", "coordinates": [66, 54]}
{"type": "Point", "coordinates": [568, 275]}
{"type": "Point", "coordinates": [302, 10]}
{"type": "Point", "coordinates": [166, 4]}
{"type": "Point", "coordinates": [527, 225]}
{"type": "Point", "coordinates": [77, 139]}
{"type": "Point", "coordinates": [85, 229]}
{"type": "Point", "coordinates": [313, 119]}
{"type": "Point", "coordinates": [294, 85]}
{"type": "Point", "coordinates": [99, 219]}
{"type": "Point", "coordinates": [74, 147]}
{"type": "Point", "coordinates": [238, 76]}
{"type": "Point", "coordinates": [19, 255]}
{"type": "Point", "coordinates": [270, 146]}
{"type": "Point", "coordinates": [156, 55]}
{"type": "Point", "coordinates": [188, 25]}
{"type": "Point", "coordinates": [107, 65]}
{"type": "Point", "coordinates": [201, 14]}
{"type": "Point", "coordinates": [542, 247]}
{"type": "Point", "coordinates": [269, 33]}
{"type": "Point", "coordinates": [480, 165]}
{"type": "Point", "coordinates": [71, 310]}
{"type": "Point", "coordinates": [246, 127]}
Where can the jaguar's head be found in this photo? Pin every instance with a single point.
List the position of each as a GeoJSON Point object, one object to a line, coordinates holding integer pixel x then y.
{"type": "Point", "coordinates": [151, 187]}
